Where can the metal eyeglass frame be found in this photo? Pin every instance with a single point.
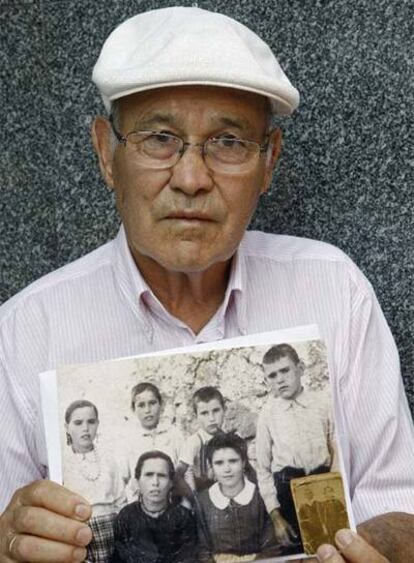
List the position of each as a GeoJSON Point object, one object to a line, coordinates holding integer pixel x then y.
{"type": "Point", "coordinates": [124, 138]}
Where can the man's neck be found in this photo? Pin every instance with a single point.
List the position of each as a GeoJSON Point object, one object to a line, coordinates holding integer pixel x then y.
{"type": "Point", "coordinates": [194, 297]}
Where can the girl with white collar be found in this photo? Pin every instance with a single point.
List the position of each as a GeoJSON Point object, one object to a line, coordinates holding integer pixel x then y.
{"type": "Point", "coordinates": [233, 523]}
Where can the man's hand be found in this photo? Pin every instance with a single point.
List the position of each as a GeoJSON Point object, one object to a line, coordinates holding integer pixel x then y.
{"type": "Point", "coordinates": [392, 534]}
{"type": "Point", "coordinates": [283, 530]}
{"type": "Point", "coordinates": [351, 548]}
{"type": "Point", "coordinates": [44, 522]}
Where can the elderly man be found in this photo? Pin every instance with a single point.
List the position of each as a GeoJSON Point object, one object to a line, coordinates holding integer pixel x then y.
{"type": "Point", "coordinates": [188, 152]}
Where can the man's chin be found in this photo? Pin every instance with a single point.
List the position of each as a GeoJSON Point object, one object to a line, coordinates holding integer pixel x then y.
{"type": "Point", "coordinates": [182, 254]}
{"type": "Point", "coordinates": [194, 262]}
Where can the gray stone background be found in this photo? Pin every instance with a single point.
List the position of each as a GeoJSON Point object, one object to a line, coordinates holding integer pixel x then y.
{"type": "Point", "coordinates": [346, 175]}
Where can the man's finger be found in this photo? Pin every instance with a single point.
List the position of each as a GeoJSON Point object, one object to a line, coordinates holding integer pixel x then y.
{"type": "Point", "coordinates": [43, 523]}
{"type": "Point", "coordinates": [353, 550]}
{"type": "Point", "coordinates": [36, 550]}
{"type": "Point", "coordinates": [54, 497]}
{"type": "Point", "coordinates": [328, 554]}
{"type": "Point", "coordinates": [357, 550]}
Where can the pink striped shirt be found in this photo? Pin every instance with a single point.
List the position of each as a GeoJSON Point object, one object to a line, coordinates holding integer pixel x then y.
{"type": "Point", "coordinates": [99, 307]}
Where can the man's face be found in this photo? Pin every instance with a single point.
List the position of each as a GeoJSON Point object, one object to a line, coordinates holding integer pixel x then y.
{"type": "Point", "coordinates": [210, 415]}
{"type": "Point", "coordinates": [284, 377]}
{"type": "Point", "coordinates": [188, 217]}
{"type": "Point", "coordinates": [154, 482]}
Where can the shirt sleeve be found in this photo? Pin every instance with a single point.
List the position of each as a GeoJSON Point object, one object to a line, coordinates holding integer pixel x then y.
{"type": "Point", "coordinates": [186, 537]}
{"type": "Point", "coordinates": [381, 437]}
{"type": "Point", "coordinates": [264, 464]}
{"type": "Point", "coordinates": [22, 448]}
{"type": "Point", "coordinates": [177, 445]}
{"type": "Point", "coordinates": [118, 486]}
{"type": "Point", "coordinates": [189, 450]}
{"type": "Point", "coordinates": [204, 551]}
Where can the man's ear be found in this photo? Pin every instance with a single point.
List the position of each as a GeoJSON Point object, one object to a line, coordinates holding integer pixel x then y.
{"type": "Point", "coordinates": [102, 139]}
{"type": "Point", "coordinates": [272, 156]}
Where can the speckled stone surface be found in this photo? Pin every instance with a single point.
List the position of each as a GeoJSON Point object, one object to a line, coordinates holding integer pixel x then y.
{"type": "Point", "coordinates": [346, 175]}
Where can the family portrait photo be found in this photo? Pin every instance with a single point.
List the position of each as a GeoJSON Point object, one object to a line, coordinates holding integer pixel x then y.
{"type": "Point", "coordinates": [206, 456]}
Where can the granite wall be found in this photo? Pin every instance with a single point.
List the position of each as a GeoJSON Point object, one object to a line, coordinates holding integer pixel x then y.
{"type": "Point", "coordinates": [346, 175]}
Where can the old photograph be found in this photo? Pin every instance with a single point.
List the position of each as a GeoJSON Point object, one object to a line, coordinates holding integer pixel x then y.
{"type": "Point", "coordinates": [203, 456]}
{"type": "Point", "coordinates": [321, 508]}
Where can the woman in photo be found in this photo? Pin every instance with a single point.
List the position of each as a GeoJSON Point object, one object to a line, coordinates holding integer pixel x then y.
{"type": "Point", "coordinates": [151, 432]}
{"type": "Point", "coordinates": [94, 475]}
{"type": "Point", "coordinates": [233, 524]}
{"type": "Point", "coordinates": [153, 529]}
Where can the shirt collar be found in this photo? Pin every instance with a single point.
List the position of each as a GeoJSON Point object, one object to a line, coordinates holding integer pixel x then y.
{"type": "Point", "coordinates": [161, 428]}
{"type": "Point", "coordinates": [243, 498]}
{"type": "Point", "coordinates": [235, 292]}
{"type": "Point", "coordinates": [302, 400]}
{"type": "Point", "coordinates": [204, 435]}
{"type": "Point", "coordinates": [134, 288]}
{"type": "Point", "coordinates": [130, 281]}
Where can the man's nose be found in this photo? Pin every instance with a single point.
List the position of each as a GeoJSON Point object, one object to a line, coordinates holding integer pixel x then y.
{"type": "Point", "coordinates": [191, 174]}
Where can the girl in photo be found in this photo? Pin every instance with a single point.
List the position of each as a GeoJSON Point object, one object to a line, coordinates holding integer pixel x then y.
{"type": "Point", "coordinates": [152, 433]}
{"type": "Point", "coordinates": [93, 474]}
{"type": "Point", "coordinates": [233, 522]}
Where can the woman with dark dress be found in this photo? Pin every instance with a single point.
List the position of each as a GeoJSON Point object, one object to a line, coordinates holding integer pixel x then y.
{"type": "Point", "coordinates": [153, 529]}
{"type": "Point", "coordinates": [233, 523]}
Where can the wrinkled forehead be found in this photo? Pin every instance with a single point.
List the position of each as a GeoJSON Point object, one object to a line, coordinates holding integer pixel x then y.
{"type": "Point", "coordinates": [155, 465]}
{"type": "Point", "coordinates": [191, 106]}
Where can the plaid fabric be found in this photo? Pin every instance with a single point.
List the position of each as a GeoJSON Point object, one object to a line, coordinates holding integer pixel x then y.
{"type": "Point", "coordinates": [102, 545]}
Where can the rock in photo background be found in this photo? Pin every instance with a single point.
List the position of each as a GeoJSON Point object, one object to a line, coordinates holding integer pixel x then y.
{"type": "Point", "coordinates": [237, 373]}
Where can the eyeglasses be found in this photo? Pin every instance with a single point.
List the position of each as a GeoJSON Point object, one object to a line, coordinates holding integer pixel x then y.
{"type": "Point", "coordinates": [225, 154]}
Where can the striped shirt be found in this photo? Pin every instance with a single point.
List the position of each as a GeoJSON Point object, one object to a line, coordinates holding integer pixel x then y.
{"type": "Point", "coordinates": [99, 307]}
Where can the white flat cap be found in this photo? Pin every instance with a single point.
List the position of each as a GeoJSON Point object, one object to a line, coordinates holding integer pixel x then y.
{"type": "Point", "coordinates": [180, 46]}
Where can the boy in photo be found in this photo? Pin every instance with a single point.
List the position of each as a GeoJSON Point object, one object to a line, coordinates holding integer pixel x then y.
{"type": "Point", "coordinates": [294, 439]}
{"type": "Point", "coordinates": [208, 405]}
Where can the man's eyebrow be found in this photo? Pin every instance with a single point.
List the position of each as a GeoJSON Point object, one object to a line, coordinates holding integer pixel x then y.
{"type": "Point", "coordinates": [158, 118]}
{"type": "Point", "coordinates": [235, 122]}
{"type": "Point", "coordinates": [164, 118]}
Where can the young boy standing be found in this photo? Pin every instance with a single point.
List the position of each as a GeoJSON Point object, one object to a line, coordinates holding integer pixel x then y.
{"type": "Point", "coordinates": [208, 405]}
{"type": "Point", "coordinates": [294, 439]}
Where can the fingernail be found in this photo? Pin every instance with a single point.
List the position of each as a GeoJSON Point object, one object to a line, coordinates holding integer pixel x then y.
{"type": "Point", "coordinates": [82, 510]}
{"type": "Point", "coordinates": [84, 536]}
{"type": "Point", "coordinates": [324, 552]}
{"type": "Point", "coordinates": [344, 537]}
{"type": "Point", "coordinates": [79, 555]}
